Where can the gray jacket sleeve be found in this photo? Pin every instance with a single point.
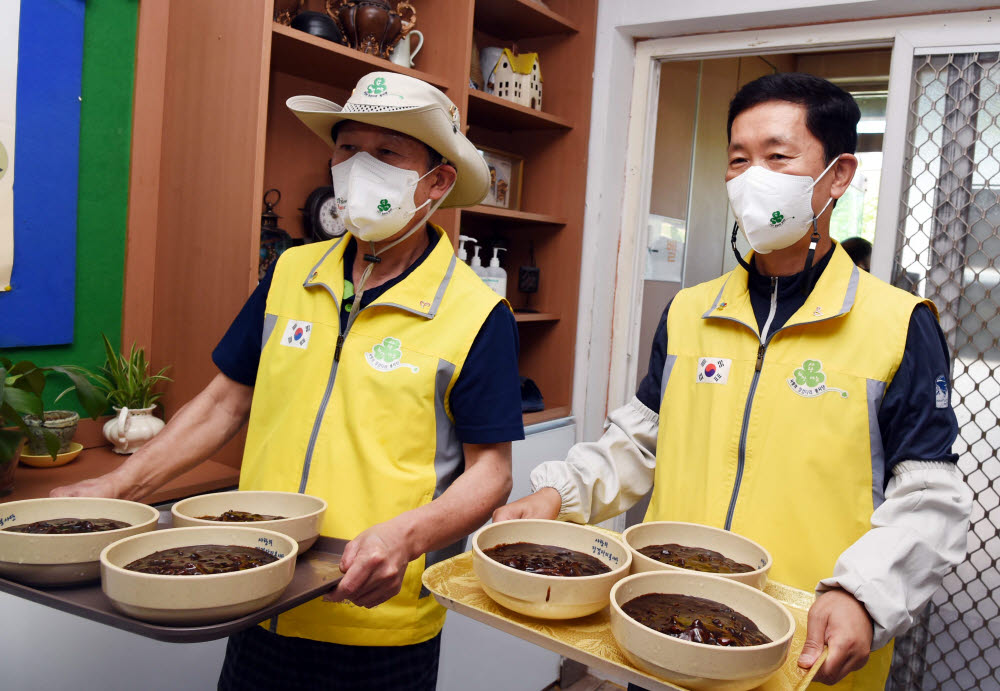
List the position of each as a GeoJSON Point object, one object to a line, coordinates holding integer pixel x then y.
{"type": "Point", "coordinates": [601, 479]}
{"type": "Point", "coordinates": [918, 534]}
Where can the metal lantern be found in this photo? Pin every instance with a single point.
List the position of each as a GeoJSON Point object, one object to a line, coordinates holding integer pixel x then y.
{"type": "Point", "coordinates": [273, 240]}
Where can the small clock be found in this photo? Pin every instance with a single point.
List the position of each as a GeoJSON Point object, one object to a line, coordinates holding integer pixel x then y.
{"type": "Point", "coordinates": [320, 216]}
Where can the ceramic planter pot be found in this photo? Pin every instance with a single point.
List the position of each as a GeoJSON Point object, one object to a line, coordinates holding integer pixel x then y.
{"type": "Point", "coordinates": [61, 423]}
{"type": "Point", "coordinates": [132, 428]}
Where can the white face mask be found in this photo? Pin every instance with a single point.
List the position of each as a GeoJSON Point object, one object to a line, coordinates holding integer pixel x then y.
{"type": "Point", "coordinates": [374, 199]}
{"type": "Point", "coordinates": [774, 210]}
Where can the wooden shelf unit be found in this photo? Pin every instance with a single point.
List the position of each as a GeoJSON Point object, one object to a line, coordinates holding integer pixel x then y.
{"type": "Point", "coordinates": [303, 55]}
{"type": "Point", "coordinates": [519, 19]}
{"type": "Point", "coordinates": [211, 134]}
{"type": "Point", "coordinates": [550, 413]}
{"type": "Point", "coordinates": [496, 113]}
{"type": "Point", "coordinates": [528, 317]}
{"type": "Point", "coordinates": [511, 216]}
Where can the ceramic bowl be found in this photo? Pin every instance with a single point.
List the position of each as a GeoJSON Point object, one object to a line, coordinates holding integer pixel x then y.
{"type": "Point", "coordinates": [729, 544]}
{"type": "Point", "coordinates": [303, 513]}
{"type": "Point", "coordinates": [50, 560]}
{"type": "Point", "coordinates": [196, 600]}
{"type": "Point", "coordinates": [696, 665]}
{"type": "Point", "coordinates": [549, 597]}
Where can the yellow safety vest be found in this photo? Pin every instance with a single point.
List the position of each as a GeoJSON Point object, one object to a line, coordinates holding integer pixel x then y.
{"type": "Point", "coordinates": [372, 433]}
{"type": "Point", "coordinates": [780, 442]}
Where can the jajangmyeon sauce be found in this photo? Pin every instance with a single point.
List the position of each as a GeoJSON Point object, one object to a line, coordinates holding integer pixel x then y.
{"type": "Point", "coordinates": [547, 560]}
{"type": "Point", "coordinates": [694, 558]}
{"type": "Point", "coordinates": [233, 516]}
{"type": "Point", "coordinates": [68, 526]}
{"type": "Point", "coordinates": [694, 619]}
{"type": "Point", "coordinates": [198, 560]}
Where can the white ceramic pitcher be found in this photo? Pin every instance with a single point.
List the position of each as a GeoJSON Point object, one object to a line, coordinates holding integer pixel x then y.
{"type": "Point", "coordinates": [132, 428]}
{"type": "Point", "coordinates": [402, 54]}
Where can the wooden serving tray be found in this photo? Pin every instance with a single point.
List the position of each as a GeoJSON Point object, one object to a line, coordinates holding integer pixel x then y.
{"type": "Point", "coordinates": [316, 572]}
{"type": "Point", "coordinates": [589, 639]}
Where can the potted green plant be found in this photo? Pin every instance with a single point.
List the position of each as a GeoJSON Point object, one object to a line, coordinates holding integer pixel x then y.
{"type": "Point", "coordinates": [128, 384]}
{"type": "Point", "coordinates": [21, 387]}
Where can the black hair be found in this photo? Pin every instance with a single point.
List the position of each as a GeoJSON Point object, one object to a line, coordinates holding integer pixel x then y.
{"type": "Point", "coordinates": [832, 114]}
{"type": "Point", "coordinates": [859, 249]}
{"type": "Point", "coordinates": [434, 159]}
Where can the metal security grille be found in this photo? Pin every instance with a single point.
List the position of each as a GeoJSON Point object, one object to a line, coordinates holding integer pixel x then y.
{"type": "Point", "coordinates": [948, 250]}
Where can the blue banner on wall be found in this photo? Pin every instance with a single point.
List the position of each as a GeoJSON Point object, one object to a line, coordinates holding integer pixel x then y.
{"type": "Point", "coordinates": [38, 307]}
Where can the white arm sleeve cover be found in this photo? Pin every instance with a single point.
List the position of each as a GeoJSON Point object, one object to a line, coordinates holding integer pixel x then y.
{"type": "Point", "coordinates": [918, 534]}
{"type": "Point", "coordinates": [602, 479]}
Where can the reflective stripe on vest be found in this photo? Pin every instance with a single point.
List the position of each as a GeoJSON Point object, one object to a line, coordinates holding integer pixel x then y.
{"type": "Point", "coordinates": [371, 433]}
{"type": "Point", "coordinates": [778, 439]}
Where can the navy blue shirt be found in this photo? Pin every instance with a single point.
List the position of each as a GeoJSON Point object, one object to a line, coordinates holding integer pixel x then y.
{"type": "Point", "coordinates": [912, 425]}
{"type": "Point", "coordinates": [486, 399]}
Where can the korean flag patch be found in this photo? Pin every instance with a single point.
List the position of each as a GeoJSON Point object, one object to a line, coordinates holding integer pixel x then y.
{"type": "Point", "coordinates": [713, 370]}
{"type": "Point", "coordinates": [297, 334]}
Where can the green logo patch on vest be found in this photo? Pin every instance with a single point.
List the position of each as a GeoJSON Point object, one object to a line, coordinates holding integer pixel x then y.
{"type": "Point", "coordinates": [809, 381]}
{"type": "Point", "coordinates": [387, 356]}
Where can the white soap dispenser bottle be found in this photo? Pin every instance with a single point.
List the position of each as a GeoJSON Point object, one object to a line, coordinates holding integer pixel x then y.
{"type": "Point", "coordinates": [463, 255]}
{"type": "Point", "coordinates": [477, 264]}
{"type": "Point", "coordinates": [494, 276]}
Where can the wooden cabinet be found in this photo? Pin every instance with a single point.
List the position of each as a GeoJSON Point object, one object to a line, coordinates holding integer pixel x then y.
{"type": "Point", "coordinates": [212, 133]}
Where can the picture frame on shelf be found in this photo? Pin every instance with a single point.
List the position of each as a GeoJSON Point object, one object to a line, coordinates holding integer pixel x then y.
{"type": "Point", "coordinates": [506, 173]}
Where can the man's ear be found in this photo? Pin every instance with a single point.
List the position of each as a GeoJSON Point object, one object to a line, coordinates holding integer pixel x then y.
{"type": "Point", "coordinates": [442, 180]}
{"type": "Point", "coordinates": [843, 172]}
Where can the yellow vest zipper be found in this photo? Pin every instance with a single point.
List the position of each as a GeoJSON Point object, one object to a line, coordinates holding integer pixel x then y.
{"type": "Point", "coordinates": [761, 349]}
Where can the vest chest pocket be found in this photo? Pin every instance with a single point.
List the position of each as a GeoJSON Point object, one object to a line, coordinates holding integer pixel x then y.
{"type": "Point", "coordinates": [809, 380]}
{"type": "Point", "coordinates": [387, 356]}
{"type": "Point", "coordinates": [811, 428]}
{"type": "Point", "coordinates": [390, 392]}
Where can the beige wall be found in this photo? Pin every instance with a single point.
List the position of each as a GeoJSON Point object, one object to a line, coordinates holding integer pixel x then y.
{"type": "Point", "coordinates": [674, 131]}
{"type": "Point", "coordinates": [688, 168]}
{"type": "Point", "coordinates": [853, 68]}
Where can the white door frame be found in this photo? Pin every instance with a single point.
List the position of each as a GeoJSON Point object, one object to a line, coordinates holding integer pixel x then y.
{"type": "Point", "coordinates": [908, 36]}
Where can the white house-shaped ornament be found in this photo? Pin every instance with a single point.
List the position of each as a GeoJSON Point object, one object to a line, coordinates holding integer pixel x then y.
{"type": "Point", "coordinates": [517, 78]}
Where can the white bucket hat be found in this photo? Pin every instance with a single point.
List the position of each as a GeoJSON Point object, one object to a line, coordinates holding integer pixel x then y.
{"type": "Point", "coordinates": [413, 107]}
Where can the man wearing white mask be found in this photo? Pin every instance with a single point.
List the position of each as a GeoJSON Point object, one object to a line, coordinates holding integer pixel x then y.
{"type": "Point", "coordinates": [797, 401]}
{"type": "Point", "coordinates": [376, 371]}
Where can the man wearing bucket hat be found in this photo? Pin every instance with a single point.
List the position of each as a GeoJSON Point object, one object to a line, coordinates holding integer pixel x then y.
{"type": "Point", "coordinates": [386, 383]}
{"type": "Point", "coordinates": [798, 401]}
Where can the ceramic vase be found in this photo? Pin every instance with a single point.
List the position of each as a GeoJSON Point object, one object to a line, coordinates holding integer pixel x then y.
{"type": "Point", "coordinates": [372, 26]}
{"type": "Point", "coordinates": [402, 53]}
{"type": "Point", "coordinates": [131, 429]}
